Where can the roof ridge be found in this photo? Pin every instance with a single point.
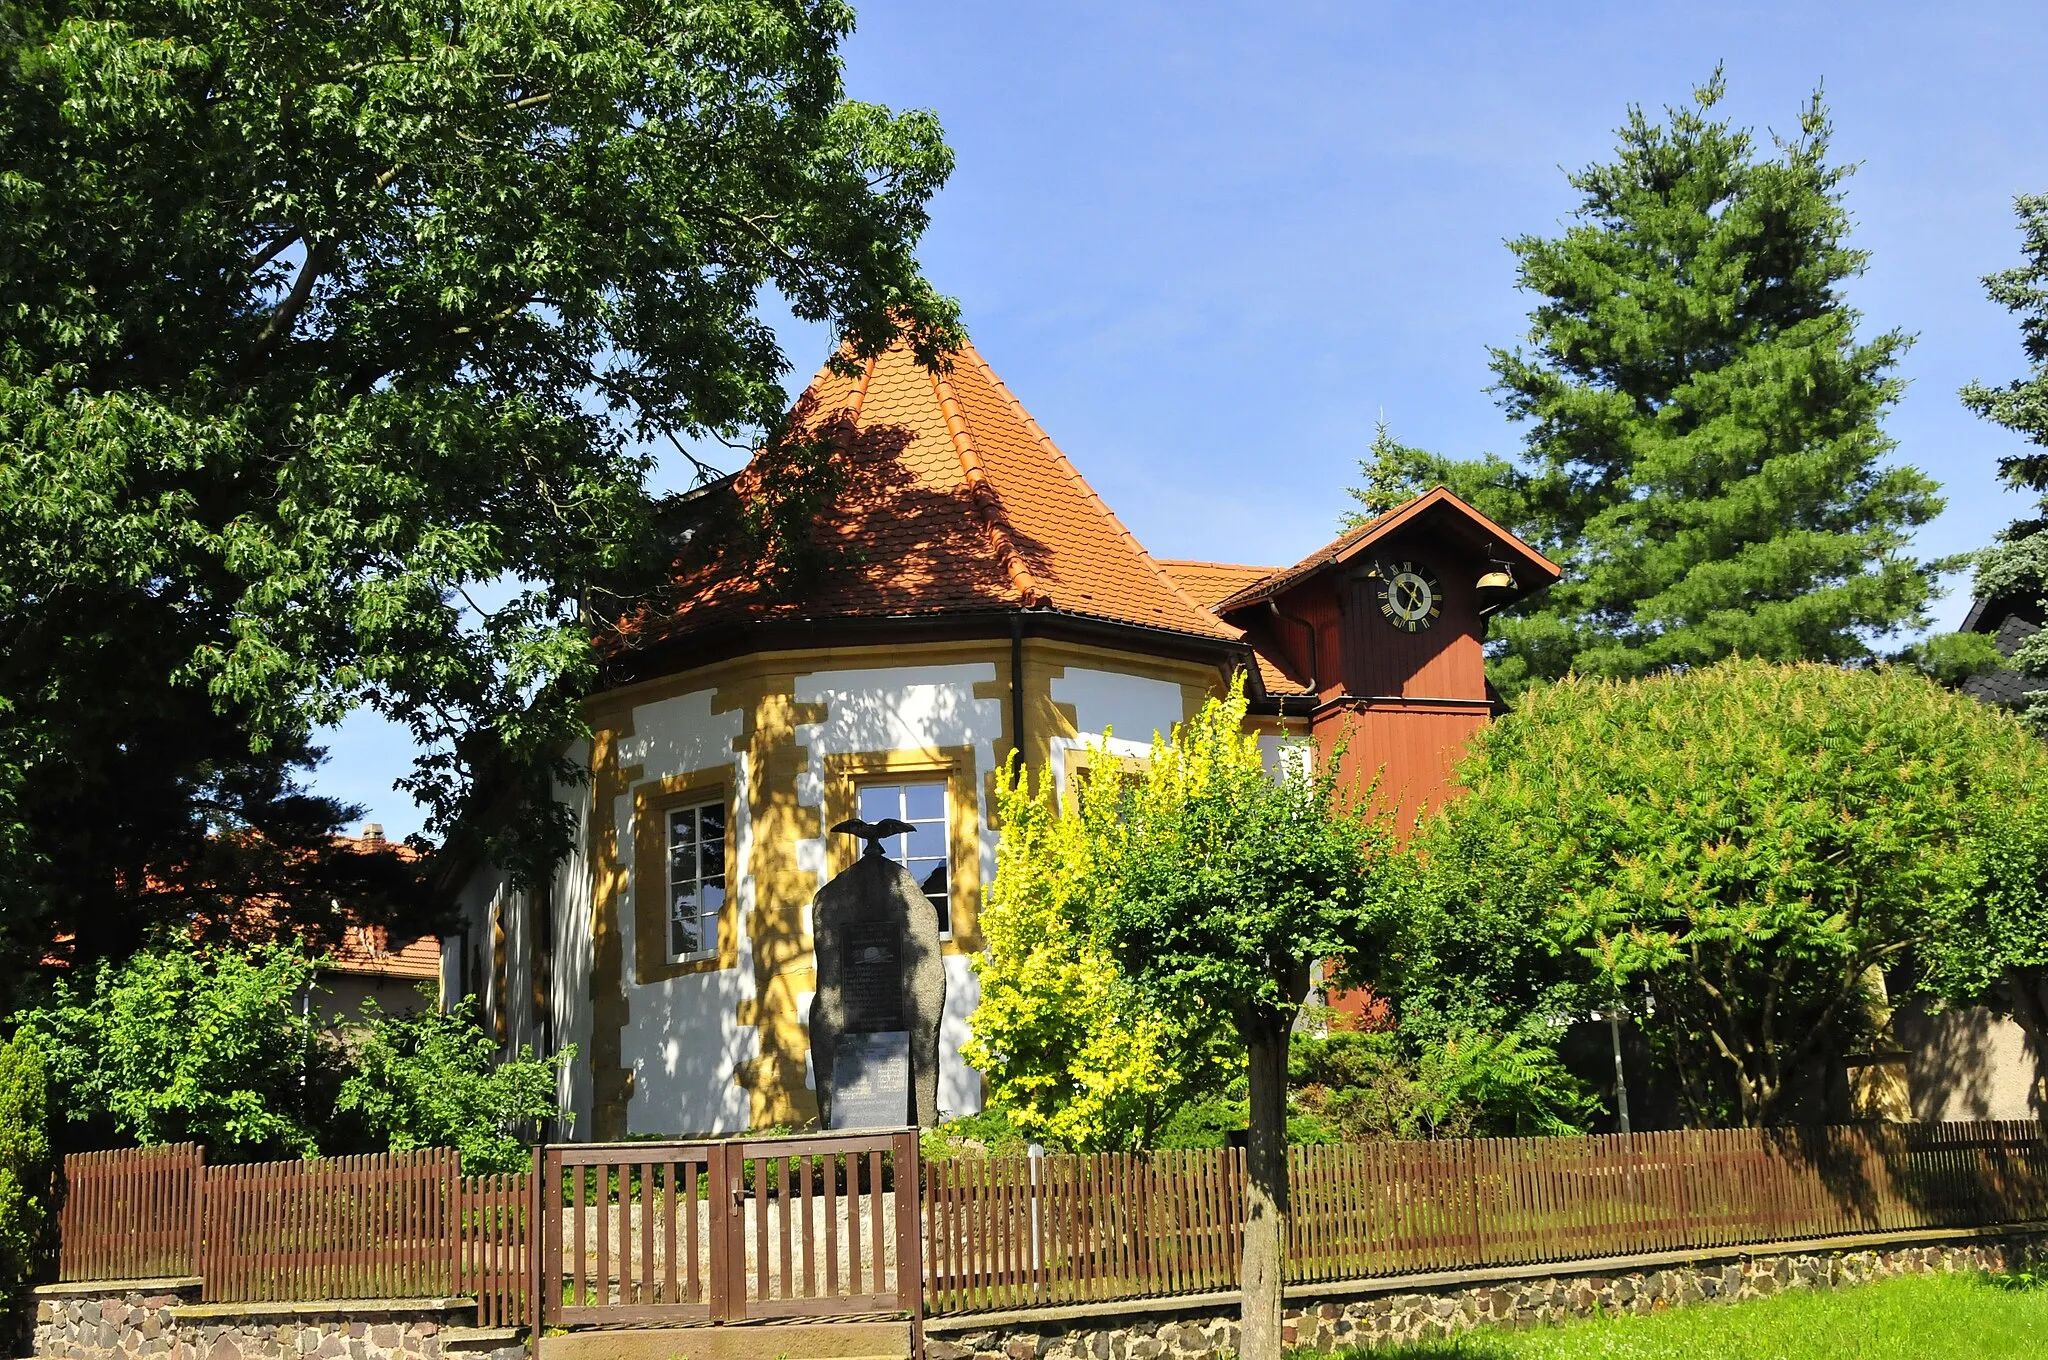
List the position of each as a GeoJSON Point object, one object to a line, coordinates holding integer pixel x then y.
{"type": "Point", "coordinates": [1212, 562]}
{"type": "Point", "coordinates": [860, 393]}
{"type": "Point", "coordinates": [988, 503]}
{"type": "Point", "coordinates": [1074, 473]}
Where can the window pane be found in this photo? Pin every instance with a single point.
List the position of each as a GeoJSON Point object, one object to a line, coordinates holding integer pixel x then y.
{"type": "Point", "coordinates": [934, 885]}
{"type": "Point", "coordinates": [683, 934]}
{"type": "Point", "coordinates": [924, 803]}
{"type": "Point", "coordinates": [928, 841]}
{"type": "Point", "coordinates": [881, 800]}
{"type": "Point", "coordinates": [682, 829]}
{"type": "Point", "coordinates": [711, 817]}
{"type": "Point", "coordinates": [714, 895]}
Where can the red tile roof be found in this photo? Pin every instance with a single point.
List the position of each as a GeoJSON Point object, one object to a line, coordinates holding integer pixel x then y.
{"type": "Point", "coordinates": [1208, 582]}
{"type": "Point", "coordinates": [954, 501]}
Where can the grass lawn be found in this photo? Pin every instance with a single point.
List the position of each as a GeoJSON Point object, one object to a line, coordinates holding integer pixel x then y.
{"type": "Point", "coordinates": [1919, 1317]}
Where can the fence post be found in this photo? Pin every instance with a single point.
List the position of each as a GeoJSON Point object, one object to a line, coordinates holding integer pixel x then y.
{"type": "Point", "coordinates": [453, 1213]}
{"type": "Point", "coordinates": [909, 1239]}
{"type": "Point", "coordinates": [536, 1239]}
{"type": "Point", "coordinates": [198, 1194]}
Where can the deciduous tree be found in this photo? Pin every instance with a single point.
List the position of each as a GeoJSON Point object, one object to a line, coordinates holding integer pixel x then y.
{"type": "Point", "coordinates": [334, 343]}
{"type": "Point", "coordinates": [1075, 1055]}
{"type": "Point", "coordinates": [1748, 842]}
{"type": "Point", "coordinates": [1226, 885]}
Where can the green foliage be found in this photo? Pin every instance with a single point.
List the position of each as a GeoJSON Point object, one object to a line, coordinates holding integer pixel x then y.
{"type": "Point", "coordinates": [1746, 841]}
{"type": "Point", "coordinates": [25, 1162]}
{"type": "Point", "coordinates": [1951, 658]}
{"type": "Point", "coordinates": [207, 1045]}
{"type": "Point", "coordinates": [1704, 450]}
{"type": "Point", "coordinates": [335, 344]}
{"type": "Point", "coordinates": [1465, 1083]}
{"type": "Point", "coordinates": [2015, 568]}
{"type": "Point", "coordinates": [1218, 885]}
{"type": "Point", "coordinates": [1391, 474]}
{"type": "Point", "coordinates": [2022, 404]}
{"type": "Point", "coordinates": [992, 1133]}
{"type": "Point", "coordinates": [1075, 1057]}
{"type": "Point", "coordinates": [432, 1079]}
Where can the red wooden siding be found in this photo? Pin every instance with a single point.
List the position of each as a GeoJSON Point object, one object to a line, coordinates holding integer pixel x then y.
{"type": "Point", "coordinates": [1441, 662]}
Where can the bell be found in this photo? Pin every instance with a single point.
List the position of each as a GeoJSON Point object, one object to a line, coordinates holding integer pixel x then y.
{"type": "Point", "coordinates": [1497, 580]}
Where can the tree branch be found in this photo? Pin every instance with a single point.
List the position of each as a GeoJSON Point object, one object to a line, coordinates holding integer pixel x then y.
{"type": "Point", "coordinates": [318, 258]}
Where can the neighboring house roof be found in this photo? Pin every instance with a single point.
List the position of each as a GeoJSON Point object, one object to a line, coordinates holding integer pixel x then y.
{"type": "Point", "coordinates": [1536, 569]}
{"type": "Point", "coordinates": [2006, 687]}
{"type": "Point", "coordinates": [954, 501]}
{"type": "Point", "coordinates": [365, 951]}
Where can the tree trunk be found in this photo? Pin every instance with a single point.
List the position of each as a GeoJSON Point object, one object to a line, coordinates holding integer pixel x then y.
{"type": "Point", "coordinates": [1265, 1208]}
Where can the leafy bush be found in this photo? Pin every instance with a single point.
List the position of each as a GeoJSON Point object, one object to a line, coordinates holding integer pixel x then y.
{"type": "Point", "coordinates": [24, 1159]}
{"type": "Point", "coordinates": [1465, 1084]}
{"type": "Point", "coordinates": [211, 1045]}
{"type": "Point", "coordinates": [431, 1079]}
{"type": "Point", "coordinates": [1748, 842]}
{"type": "Point", "coordinates": [1075, 1057]}
{"type": "Point", "coordinates": [992, 1133]}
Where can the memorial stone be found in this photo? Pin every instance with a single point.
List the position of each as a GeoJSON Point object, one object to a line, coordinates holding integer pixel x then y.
{"type": "Point", "coordinates": [880, 996]}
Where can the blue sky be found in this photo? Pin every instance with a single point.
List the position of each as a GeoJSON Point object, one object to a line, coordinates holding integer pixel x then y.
{"type": "Point", "coordinates": [1206, 244]}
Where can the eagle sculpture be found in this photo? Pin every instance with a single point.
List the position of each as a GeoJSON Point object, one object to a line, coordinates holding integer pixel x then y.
{"type": "Point", "coordinates": [874, 833]}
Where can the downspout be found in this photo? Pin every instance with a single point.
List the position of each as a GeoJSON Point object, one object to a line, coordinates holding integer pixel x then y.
{"type": "Point", "coordinates": [1315, 689]}
{"type": "Point", "coordinates": [1017, 687]}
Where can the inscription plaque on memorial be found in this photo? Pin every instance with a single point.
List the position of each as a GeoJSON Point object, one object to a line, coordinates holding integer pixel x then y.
{"type": "Point", "coordinates": [881, 991]}
{"type": "Point", "coordinates": [871, 1080]}
{"type": "Point", "coordinates": [873, 988]}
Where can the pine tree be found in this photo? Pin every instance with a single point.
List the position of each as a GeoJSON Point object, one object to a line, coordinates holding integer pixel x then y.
{"type": "Point", "coordinates": [1704, 452]}
{"type": "Point", "coordinates": [2016, 566]}
{"type": "Point", "coordinates": [1393, 473]}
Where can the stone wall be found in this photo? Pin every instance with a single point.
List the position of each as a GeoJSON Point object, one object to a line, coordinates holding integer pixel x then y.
{"type": "Point", "coordinates": [1407, 1310]}
{"type": "Point", "coordinates": [158, 1319]}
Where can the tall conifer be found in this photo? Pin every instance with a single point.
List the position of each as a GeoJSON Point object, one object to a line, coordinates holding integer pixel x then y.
{"type": "Point", "coordinates": [1704, 451]}
{"type": "Point", "coordinates": [2015, 568]}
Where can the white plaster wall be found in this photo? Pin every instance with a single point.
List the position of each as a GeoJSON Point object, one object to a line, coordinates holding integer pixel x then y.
{"type": "Point", "coordinates": [1121, 712]}
{"type": "Point", "coordinates": [569, 986]}
{"type": "Point", "coordinates": [683, 1040]}
{"type": "Point", "coordinates": [908, 708]}
{"type": "Point", "coordinates": [486, 884]}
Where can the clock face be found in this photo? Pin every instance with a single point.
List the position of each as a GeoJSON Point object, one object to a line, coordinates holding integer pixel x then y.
{"type": "Point", "coordinates": [1410, 598]}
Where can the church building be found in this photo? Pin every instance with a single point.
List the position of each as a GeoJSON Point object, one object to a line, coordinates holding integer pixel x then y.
{"type": "Point", "coordinates": [965, 594]}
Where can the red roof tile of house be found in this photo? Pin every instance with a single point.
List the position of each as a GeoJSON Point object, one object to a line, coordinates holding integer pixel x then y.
{"type": "Point", "coordinates": [954, 501]}
{"type": "Point", "coordinates": [1208, 582]}
{"type": "Point", "coordinates": [366, 951]}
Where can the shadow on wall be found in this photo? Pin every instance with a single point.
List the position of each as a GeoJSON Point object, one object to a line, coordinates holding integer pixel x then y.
{"type": "Point", "coordinates": [1970, 1063]}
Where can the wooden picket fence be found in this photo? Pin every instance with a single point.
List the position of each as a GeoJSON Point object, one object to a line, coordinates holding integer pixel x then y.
{"type": "Point", "coordinates": [1010, 1232]}
{"type": "Point", "coordinates": [135, 1214]}
{"type": "Point", "coordinates": [779, 1227]}
{"type": "Point", "coordinates": [393, 1225]}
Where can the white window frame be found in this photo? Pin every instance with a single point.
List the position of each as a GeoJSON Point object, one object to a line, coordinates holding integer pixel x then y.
{"type": "Point", "coordinates": [707, 921]}
{"type": "Point", "coordinates": [897, 847]}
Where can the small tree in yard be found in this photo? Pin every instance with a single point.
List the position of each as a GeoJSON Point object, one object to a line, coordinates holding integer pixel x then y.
{"type": "Point", "coordinates": [433, 1079]}
{"type": "Point", "coordinates": [1221, 889]}
{"type": "Point", "coordinates": [1075, 1055]}
{"type": "Point", "coordinates": [1753, 843]}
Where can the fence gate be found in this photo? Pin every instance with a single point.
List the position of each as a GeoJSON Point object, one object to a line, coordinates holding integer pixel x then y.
{"type": "Point", "coordinates": [729, 1231]}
